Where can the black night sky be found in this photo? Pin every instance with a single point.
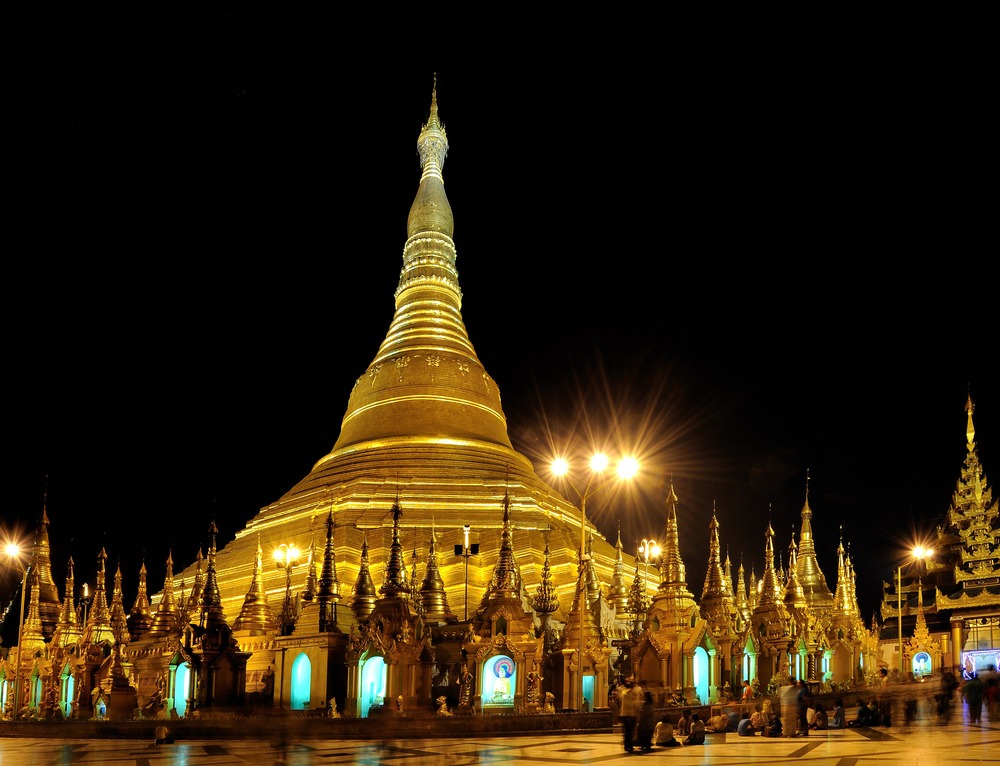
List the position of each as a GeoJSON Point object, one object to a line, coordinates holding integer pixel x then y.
{"type": "Point", "coordinates": [753, 244]}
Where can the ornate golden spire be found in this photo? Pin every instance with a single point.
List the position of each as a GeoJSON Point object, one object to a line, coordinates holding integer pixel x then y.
{"type": "Point", "coordinates": [190, 607]}
{"type": "Point", "coordinates": [810, 576]}
{"type": "Point", "coordinates": [312, 583]}
{"type": "Point", "coordinates": [119, 621]}
{"type": "Point", "coordinates": [770, 586]}
{"type": "Point", "coordinates": [414, 582]}
{"type": "Point", "coordinates": [795, 597]}
{"type": "Point", "coordinates": [638, 603]}
{"type": "Point", "coordinates": [141, 617]}
{"type": "Point", "coordinates": [49, 604]}
{"type": "Point", "coordinates": [546, 599]}
{"type": "Point", "coordinates": [505, 584]}
{"type": "Point", "coordinates": [716, 597]}
{"type": "Point", "coordinates": [742, 602]}
{"type": "Point", "coordinates": [256, 614]}
{"type": "Point", "coordinates": [715, 579]}
{"type": "Point", "coordinates": [433, 598]}
{"type": "Point", "coordinates": [618, 592]}
{"type": "Point", "coordinates": [395, 569]}
{"type": "Point", "coordinates": [212, 615]}
{"type": "Point", "coordinates": [364, 595]}
{"type": "Point", "coordinates": [167, 613]}
{"type": "Point", "coordinates": [673, 575]}
{"type": "Point", "coordinates": [329, 585]}
{"type": "Point", "coordinates": [98, 628]}
{"type": "Point", "coordinates": [68, 629]}
{"type": "Point", "coordinates": [32, 637]}
{"type": "Point", "coordinates": [426, 373]}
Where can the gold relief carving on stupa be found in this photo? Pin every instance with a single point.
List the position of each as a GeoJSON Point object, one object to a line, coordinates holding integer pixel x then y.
{"type": "Point", "coordinates": [373, 373]}
{"type": "Point", "coordinates": [463, 367]}
{"type": "Point", "coordinates": [401, 363]}
{"type": "Point", "coordinates": [486, 380]}
{"type": "Point", "coordinates": [433, 360]}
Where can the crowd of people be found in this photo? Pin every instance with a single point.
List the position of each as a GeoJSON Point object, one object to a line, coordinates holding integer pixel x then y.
{"type": "Point", "coordinates": [795, 712]}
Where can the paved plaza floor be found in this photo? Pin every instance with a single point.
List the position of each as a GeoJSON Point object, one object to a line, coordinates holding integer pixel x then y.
{"type": "Point", "coordinates": [923, 744]}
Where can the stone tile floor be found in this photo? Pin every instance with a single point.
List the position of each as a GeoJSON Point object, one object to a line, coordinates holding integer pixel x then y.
{"type": "Point", "coordinates": [923, 744]}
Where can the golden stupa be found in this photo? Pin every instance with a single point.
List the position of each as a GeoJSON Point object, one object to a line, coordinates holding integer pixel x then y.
{"type": "Point", "coordinates": [425, 426]}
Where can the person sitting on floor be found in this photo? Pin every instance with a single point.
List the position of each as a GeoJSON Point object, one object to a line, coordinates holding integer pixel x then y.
{"type": "Point", "coordinates": [745, 729]}
{"type": "Point", "coordinates": [757, 719]}
{"type": "Point", "coordinates": [697, 735]}
{"type": "Point", "coordinates": [684, 723]}
{"type": "Point", "coordinates": [865, 717]}
{"type": "Point", "coordinates": [663, 735]}
{"type": "Point", "coordinates": [820, 720]}
{"type": "Point", "coordinates": [839, 716]}
{"type": "Point", "coordinates": [733, 721]}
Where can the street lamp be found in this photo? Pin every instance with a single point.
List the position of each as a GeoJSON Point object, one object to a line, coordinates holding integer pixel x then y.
{"type": "Point", "coordinates": [467, 550]}
{"type": "Point", "coordinates": [650, 551]}
{"type": "Point", "coordinates": [85, 600]}
{"type": "Point", "coordinates": [14, 553]}
{"type": "Point", "coordinates": [286, 557]}
{"type": "Point", "coordinates": [627, 469]}
{"type": "Point", "coordinates": [919, 553]}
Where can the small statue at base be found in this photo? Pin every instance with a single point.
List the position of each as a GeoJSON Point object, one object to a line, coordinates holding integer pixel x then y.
{"type": "Point", "coordinates": [549, 706]}
{"type": "Point", "coordinates": [442, 706]}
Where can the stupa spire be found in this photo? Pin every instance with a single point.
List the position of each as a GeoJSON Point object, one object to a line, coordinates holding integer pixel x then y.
{"type": "Point", "coordinates": [329, 585]}
{"type": "Point", "coordinates": [546, 599]}
{"type": "Point", "coordinates": [98, 626]}
{"type": "Point", "coordinates": [119, 621]}
{"type": "Point", "coordinates": [256, 614]}
{"type": "Point", "coordinates": [426, 371]}
{"type": "Point", "coordinates": [165, 619]}
{"type": "Point", "coordinates": [212, 615]}
{"type": "Point", "coordinates": [433, 598]}
{"type": "Point", "coordinates": [140, 618]}
{"type": "Point", "coordinates": [49, 604]}
{"type": "Point", "coordinates": [618, 592]}
{"type": "Point", "coordinates": [364, 595]}
{"type": "Point", "coordinates": [395, 569]}
{"type": "Point", "coordinates": [68, 629]}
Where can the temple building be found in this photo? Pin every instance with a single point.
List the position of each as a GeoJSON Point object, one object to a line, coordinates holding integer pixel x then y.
{"type": "Point", "coordinates": [943, 610]}
{"type": "Point", "coordinates": [540, 602]}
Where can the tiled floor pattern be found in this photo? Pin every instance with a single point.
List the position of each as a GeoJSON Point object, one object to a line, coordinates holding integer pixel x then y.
{"type": "Point", "coordinates": [923, 745]}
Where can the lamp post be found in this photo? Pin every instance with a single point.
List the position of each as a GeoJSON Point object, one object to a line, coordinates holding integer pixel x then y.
{"type": "Point", "coordinates": [14, 553]}
{"type": "Point", "coordinates": [467, 550]}
{"type": "Point", "coordinates": [649, 550]}
{"type": "Point", "coordinates": [920, 554]}
{"type": "Point", "coordinates": [626, 469]}
{"type": "Point", "coordinates": [286, 557]}
{"type": "Point", "coordinates": [85, 600]}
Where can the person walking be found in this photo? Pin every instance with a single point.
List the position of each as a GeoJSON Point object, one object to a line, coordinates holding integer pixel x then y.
{"type": "Point", "coordinates": [972, 690]}
{"type": "Point", "coordinates": [945, 691]}
{"type": "Point", "coordinates": [630, 696]}
{"type": "Point", "coordinates": [802, 700]}
{"type": "Point", "coordinates": [885, 694]}
{"type": "Point", "coordinates": [789, 707]}
{"type": "Point", "coordinates": [645, 723]}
